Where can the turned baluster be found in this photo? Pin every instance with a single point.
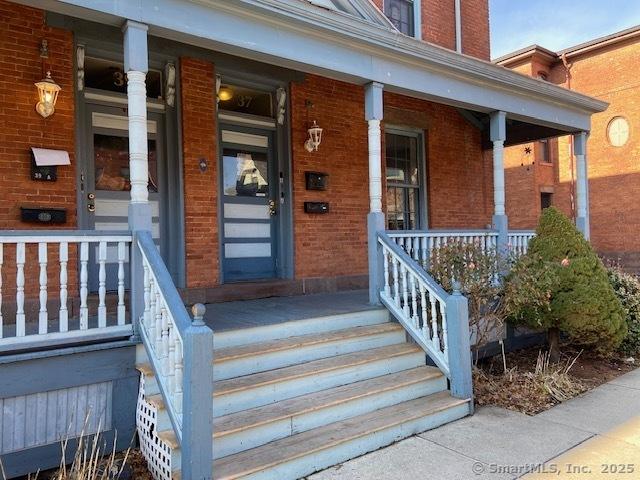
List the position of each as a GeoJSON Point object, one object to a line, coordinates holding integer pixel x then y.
{"type": "Point", "coordinates": [42, 315]}
{"type": "Point", "coordinates": [63, 256]}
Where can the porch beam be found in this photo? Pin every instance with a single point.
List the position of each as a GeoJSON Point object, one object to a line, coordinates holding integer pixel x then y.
{"type": "Point", "coordinates": [136, 65]}
{"type": "Point", "coordinates": [582, 183]}
{"type": "Point", "coordinates": [296, 36]}
{"type": "Point", "coordinates": [375, 219]}
{"type": "Point", "coordinates": [498, 135]}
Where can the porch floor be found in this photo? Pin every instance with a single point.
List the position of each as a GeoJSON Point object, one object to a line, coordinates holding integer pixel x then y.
{"type": "Point", "coordinates": [269, 311]}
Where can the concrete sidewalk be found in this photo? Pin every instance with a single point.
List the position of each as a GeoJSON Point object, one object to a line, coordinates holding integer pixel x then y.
{"type": "Point", "coordinates": [589, 432]}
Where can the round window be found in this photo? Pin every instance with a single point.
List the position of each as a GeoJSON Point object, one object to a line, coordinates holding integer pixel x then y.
{"type": "Point", "coordinates": [618, 131]}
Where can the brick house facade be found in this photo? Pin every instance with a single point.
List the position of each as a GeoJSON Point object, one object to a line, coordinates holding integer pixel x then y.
{"type": "Point", "coordinates": [601, 68]}
{"type": "Point", "coordinates": [452, 149]}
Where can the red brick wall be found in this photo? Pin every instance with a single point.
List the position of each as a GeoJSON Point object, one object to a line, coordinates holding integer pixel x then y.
{"type": "Point", "coordinates": [439, 25]}
{"type": "Point", "coordinates": [21, 127]}
{"type": "Point", "coordinates": [332, 244]}
{"type": "Point", "coordinates": [199, 141]}
{"type": "Point", "coordinates": [21, 31]}
{"type": "Point", "coordinates": [459, 174]}
{"type": "Point", "coordinates": [475, 28]}
{"type": "Point", "coordinates": [614, 172]}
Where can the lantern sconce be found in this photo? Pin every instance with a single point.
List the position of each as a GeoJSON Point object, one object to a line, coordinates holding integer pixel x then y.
{"type": "Point", "coordinates": [48, 94]}
{"type": "Point", "coordinates": [315, 138]}
{"type": "Point", "coordinates": [48, 89]}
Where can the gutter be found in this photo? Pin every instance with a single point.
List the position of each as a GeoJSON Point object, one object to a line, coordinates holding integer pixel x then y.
{"type": "Point", "coordinates": [458, 15]}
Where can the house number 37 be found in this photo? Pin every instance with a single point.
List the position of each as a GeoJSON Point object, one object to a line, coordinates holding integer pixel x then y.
{"type": "Point", "coordinates": [244, 101]}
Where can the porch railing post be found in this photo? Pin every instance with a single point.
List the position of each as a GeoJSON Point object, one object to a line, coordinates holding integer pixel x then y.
{"type": "Point", "coordinates": [459, 348]}
{"type": "Point", "coordinates": [498, 135]}
{"type": "Point", "coordinates": [375, 218]}
{"type": "Point", "coordinates": [582, 183]}
{"type": "Point", "coordinates": [136, 66]}
{"type": "Point", "coordinates": [197, 408]}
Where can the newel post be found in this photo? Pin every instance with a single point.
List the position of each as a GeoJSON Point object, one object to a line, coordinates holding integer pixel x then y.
{"type": "Point", "coordinates": [375, 219]}
{"type": "Point", "coordinates": [459, 347]}
{"type": "Point", "coordinates": [136, 65]}
{"type": "Point", "coordinates": [197, 405]}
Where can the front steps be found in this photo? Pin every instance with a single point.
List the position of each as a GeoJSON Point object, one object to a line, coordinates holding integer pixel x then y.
{"type": "Point", "coordinates": [294, 398]}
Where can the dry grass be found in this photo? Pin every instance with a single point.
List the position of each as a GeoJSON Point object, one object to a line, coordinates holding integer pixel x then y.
{"type": "Point", "coordinates": [528, 391]}
{"type": "Point", "coordinates": [92, 460]}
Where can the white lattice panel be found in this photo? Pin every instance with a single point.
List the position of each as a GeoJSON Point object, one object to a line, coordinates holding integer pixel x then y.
{"type": "Point", "coordinates": [156, 452]}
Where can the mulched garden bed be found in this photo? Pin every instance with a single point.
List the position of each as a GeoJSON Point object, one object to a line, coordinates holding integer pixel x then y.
{"type": "Point", "coordinates": [524, 389]}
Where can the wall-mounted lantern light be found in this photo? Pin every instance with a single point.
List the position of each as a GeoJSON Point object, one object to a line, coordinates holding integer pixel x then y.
{"type": "Point", "coordinates": [48, 95]}
{"type": "Point", "coordinates": [315, 138]}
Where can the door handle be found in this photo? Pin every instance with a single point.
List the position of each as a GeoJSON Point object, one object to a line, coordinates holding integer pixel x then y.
{"type": "Point", "coordinates": [272, 208]}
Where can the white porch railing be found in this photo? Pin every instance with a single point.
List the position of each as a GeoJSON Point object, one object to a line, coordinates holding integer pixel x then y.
{"type": "Point", "coordinates": [49, 253]}
{"type": "Point", "coordinates": [436, 320]}
{"type": "Point", "coordinates": [519, 241]}
{"type": "Point", "coordinates": [420, 244]}
{"type": "Point", "coordinates": [181, 354]}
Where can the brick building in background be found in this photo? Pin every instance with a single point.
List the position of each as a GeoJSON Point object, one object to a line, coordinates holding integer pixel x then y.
{"type": "Point", "coordinates": [542, 173]}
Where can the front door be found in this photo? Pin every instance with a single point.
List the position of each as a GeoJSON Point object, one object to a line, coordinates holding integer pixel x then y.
{"type": "Point", "coordinates": [249, 207]}
{"type": "Point", "coordinates": [105, 179]}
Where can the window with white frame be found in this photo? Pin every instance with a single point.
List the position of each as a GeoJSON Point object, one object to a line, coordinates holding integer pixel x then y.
{"type": "Point", "coordinates": [402, 13]}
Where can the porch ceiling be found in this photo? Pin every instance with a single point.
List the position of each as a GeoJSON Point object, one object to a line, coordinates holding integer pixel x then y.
{"type": "Point", "coordinates": [302, 36]}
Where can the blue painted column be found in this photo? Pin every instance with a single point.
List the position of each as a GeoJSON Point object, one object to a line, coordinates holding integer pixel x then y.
{"type": "Point", "coordinates": [498, 135]}
{"type": "Point", "coordinates": [136, 65]}
{"type": "Point", "coordinates": [375, 219]}
{"type": "Point", "coordinates": [582, 183]}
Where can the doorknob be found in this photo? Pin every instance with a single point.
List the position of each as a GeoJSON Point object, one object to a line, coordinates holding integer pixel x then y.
{"type": "Point", "coordinates": [272, 208]}
{"type": "Point", "coordinates": [91, 206]}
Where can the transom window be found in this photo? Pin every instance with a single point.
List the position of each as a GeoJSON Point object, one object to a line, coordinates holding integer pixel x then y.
{"type": "Point", "coordinates": [403, 181]}
{"type": "Point", "coordinates": [401, 14]}
{"type": "Point", "coordinates": [104, 74]}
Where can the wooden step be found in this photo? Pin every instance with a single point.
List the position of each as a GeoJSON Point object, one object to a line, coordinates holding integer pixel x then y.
{"type": "Point", "coordinates": [146, 369]}
{"type": "Point", "coordinates": [259, 389]}
{"type": "Point", "coordinates": [296, 328]}
{"type": "Point", "coordinates": [293, 343]}
{"type": "Point", "coordinates": [255, 417]}
{"type": "Point", "coordinates": [251, 428]}
{"type": "Point", "coordinates": [306, 452]}
{"type": "Point", "coordinates": [224, 387]}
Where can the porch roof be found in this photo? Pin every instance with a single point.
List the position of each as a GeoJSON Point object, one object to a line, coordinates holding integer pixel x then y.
{"type": "Point", "coordinates": [300, 35]}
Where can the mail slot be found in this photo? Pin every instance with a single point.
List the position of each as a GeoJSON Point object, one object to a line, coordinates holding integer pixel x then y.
{"type": "Point", "coordinates": [43, 215]}
{"type": "Point", "coordinates": [316, 207]}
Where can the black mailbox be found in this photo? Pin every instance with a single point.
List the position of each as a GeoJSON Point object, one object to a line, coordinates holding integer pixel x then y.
{"type": "Point", "coordinates": [316, 180]}
{"type": "Point", "coordinates": [43, 215]}
{"type": "Point", "coordinates": [316, 207]}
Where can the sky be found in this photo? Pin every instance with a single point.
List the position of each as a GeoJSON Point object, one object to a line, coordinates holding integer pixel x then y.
{"type": "Point", "coordinates": [556, 24]}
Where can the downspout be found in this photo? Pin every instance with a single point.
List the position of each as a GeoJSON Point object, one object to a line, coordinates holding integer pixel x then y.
{"type": "Point", "coordinates": [458, 26]}
{"type": "Point", "coordinates": [572, 189]}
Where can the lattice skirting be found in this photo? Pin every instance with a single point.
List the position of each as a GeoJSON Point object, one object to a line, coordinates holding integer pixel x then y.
{"type": "Point", "coordinates": [156, 452]}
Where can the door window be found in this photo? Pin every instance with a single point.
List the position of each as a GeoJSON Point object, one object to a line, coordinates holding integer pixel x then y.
{"type": "Point", "coordinates": [403, 181]}
{"type": "Point", "coordinates": [245, 173]}
{"type": "Point", "coordinates": [112, 163]}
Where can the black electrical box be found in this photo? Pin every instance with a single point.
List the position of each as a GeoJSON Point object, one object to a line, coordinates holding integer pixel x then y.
{"type": "Point", "coordinates": [316, 207]}
{"type": "Point", "coordinates": [43, 215]}
{"type": "Point", "coordinates": [316, 180]}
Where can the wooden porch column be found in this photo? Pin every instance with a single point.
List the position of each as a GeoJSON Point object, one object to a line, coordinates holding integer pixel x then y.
{"type": "Point", "coordinates": [375, 219]}
{"type": "Point", "coordinates": [136, 65]}
{"type": "Point", "coordinates": [498, 134]}
{"type": "Point", "coordinates": [582, 183]}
